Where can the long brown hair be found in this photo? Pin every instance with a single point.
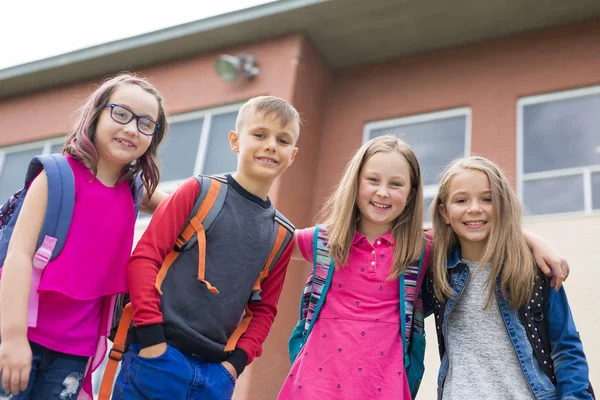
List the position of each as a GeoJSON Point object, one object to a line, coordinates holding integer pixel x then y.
{"type": "Point", "coordinates": [340, 213]}
{"type": "Point", "coordinates": [506, 249]}
{"type": "Point", "coordinates": [80, 141]}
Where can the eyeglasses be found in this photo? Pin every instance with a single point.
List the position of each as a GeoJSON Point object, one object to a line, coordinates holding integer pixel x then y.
{"type": "Point", "coordinates": [124, 116]}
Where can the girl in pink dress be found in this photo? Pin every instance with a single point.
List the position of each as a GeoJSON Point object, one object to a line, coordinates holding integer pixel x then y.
{"type": "Point", "coordinates": [115, 139]}
{"type": "Point", "coordinates": [374, 223]}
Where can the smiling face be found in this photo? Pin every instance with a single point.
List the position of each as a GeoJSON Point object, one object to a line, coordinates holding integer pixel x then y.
{"type": "Point", "coordinates": [265, 148]}
{"type": "Point", "coordinates": [120, 144]}
{"type": "Point", "coordinates": [469, 210]}
{"type": "Point", "coordinates": [384, 188]}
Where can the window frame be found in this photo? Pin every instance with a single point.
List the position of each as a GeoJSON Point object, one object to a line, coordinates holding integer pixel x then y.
{"type": "Point", "coordinates": [207, 115]}
{"type": "Point", "coordinates": [586, 172]}
{"type": "Point", "coordinates": [429, 191]}
{"type": "Point", "coordinates": [45, 144]}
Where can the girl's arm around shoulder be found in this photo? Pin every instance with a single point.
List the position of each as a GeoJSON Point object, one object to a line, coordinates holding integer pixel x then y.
{"type": "Point", "coordinates": [547, 259]}
{"type": "Point", "coordinates": [570, 366]}
{"type": "Point", "coordinates": [296, 253]}
{"type": "Point", "coordinates": [15, 287]}
{"type": "Point", "coordinates": [303, 244]}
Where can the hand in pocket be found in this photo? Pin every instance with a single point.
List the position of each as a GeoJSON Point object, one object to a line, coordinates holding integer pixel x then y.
{"type": "Point", "coordinates": [229, 367]}
{"type": "Point", "coordinates": [153, 351]}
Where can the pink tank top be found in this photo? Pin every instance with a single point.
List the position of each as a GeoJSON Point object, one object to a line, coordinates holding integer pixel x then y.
{"type": "Point", "coordinates": [89, 269]}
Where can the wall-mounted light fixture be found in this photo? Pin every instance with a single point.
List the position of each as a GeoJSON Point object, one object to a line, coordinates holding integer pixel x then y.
{"type": "Point", "coordinates": [229, 67]}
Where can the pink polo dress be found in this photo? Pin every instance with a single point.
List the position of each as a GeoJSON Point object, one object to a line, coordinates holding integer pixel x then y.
{"type": "Point", "coordinates": [355, 348]}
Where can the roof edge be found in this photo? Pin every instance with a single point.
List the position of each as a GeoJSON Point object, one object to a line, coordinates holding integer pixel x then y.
{"type": "Point", "coordinates": [145, 39]}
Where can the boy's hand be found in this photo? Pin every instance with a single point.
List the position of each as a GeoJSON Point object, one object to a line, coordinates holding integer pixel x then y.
{"type": "Point", "coordinates": [15, 364]}
{"type": "Point", "coordinates": [230, 368]}
{"type": "Point", "coordinates": [154, 351]}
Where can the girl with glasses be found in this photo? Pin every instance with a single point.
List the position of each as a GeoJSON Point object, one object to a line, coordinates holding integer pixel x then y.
{"type": "Point", "coordinates": [115, 139]}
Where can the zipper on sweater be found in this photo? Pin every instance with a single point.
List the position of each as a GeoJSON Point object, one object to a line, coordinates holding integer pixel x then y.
{"type": "Point", "coordinates": [513, 346]}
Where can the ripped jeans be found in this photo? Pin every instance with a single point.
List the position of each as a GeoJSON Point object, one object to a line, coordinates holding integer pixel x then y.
{"type": "Point", "coordinates": [53, 376]}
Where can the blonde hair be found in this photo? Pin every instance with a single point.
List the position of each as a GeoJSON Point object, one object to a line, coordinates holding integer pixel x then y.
{"type": "Point", "coordinates": [506, 249]}
{"type": "Point", "coordinates": [80, 141]}
{"type": "Point", "coordinates": [340, 213]}
{"type": "Point", "coordinates": [270, 106]}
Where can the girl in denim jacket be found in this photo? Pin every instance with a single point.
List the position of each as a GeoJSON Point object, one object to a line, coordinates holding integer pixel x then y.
{"type": "Point", "coordinates": [485, 285]}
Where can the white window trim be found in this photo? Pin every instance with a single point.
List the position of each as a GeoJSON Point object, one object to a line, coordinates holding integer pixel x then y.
{"type": "Point", "coordinates": [45, 144]}
{"type": "Point", "coordinates": [429, 191]}
{"type": "Point", "coordinates": [206, 114]}
{"type": "Point", "coordinates": [585, 171]}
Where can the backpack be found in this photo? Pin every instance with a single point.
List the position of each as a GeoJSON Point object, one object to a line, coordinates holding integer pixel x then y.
{"type": "Point", "coordinates": [57, 219]}
{"type": "Point", "coordinates": [411, 309]}
{"type": "Point", "coordinates": [209, 202]}
{"type": "Point", "coordinates": [534, 321]}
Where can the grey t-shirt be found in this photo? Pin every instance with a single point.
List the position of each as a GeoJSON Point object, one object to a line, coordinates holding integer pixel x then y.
{"type": "Point", "coordinates": [483, 363]}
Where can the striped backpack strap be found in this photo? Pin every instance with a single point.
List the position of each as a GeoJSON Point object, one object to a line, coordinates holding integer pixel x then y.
{"type": "Point", "coordinates": [410, 282]}
{"type": "Point", "coordinates": [320, 279]}
{"type": "Point", "coordinates": [413, 279]}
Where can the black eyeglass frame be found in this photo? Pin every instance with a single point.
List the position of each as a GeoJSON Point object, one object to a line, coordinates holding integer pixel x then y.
{"type": "Point", "coordinates": [133, 115]}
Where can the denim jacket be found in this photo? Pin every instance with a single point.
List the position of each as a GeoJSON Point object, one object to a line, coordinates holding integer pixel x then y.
{"type": "Point", "coordinates": [570, 365]}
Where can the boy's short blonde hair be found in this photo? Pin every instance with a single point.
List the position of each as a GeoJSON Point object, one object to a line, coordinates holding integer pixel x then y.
{"type": "Point", "coordinates": [269, 106]}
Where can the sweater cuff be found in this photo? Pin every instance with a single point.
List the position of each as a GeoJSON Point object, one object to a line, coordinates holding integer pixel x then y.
{"type": "Point", "coordinates": [238, 358]}
{"type": "Point", "coordinates": [149, 335]}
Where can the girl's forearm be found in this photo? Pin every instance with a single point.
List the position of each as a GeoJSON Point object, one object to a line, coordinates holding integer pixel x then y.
{"type": "Point", "coordinates": [15, 289]}
{"type": "Point", "coordinates": [149, 206]}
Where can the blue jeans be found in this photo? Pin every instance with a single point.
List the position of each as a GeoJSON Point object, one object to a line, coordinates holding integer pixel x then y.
{"type": "Point", "coordinates": [53, 376]}
{"type": "Point", "coordinates": [172, 375]}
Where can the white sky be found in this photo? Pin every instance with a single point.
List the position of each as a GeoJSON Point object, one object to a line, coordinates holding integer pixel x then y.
{"type": "Point", "coordinates": [32, 30]}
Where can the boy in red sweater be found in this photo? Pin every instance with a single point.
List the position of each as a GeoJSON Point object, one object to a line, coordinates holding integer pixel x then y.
{"type": "Point", "coordinates": [184, 344]}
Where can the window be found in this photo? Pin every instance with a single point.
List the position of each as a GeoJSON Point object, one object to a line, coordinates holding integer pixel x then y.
{"type": "Point", "coordinates": [437, 138]}
{"type": "Point", "coordinates": [15, 159]}
{"type": "Point", "coordinates": [197, 142]}
{"type": "Point", "coordinates": [558, 160]}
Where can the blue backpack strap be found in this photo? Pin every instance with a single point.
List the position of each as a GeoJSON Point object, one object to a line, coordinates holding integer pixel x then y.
{"type": "Point", "coordinates": [137, 190]}
{"type": "Point", "coordinates": [59, 208]}
{"type": "Point", "coordinates": [61, 197]}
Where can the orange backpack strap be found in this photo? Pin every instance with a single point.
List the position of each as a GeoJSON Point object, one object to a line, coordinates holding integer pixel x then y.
{"type": "Point", "coordinates": [116, 353]}
{"type": "Point", "coordinates": [285, 233]}
{"type": "Point", "coordinates": [208, 204]}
